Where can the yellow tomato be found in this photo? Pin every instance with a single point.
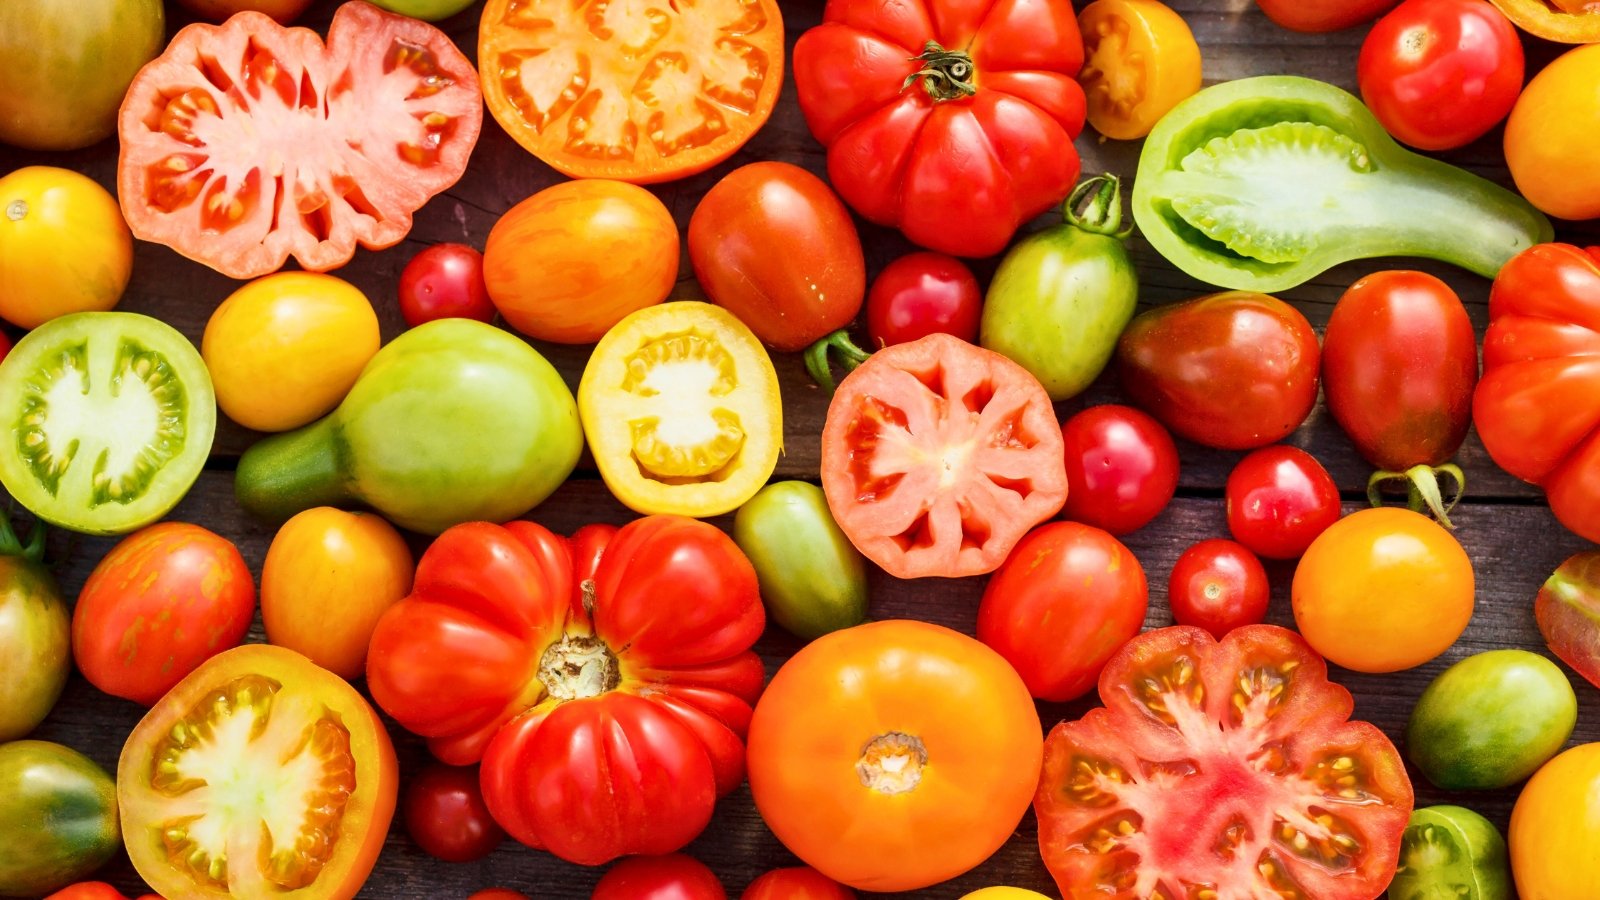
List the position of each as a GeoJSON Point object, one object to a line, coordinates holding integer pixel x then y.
{"type": "Point", "coordinates": [285, 349]}
{"type": "Point", "coordinates": [1140, 60]}
{"type": "Point", "coordinates": [1004, 893]}
{"type": "Point", "coordinates": [1555, 829]}
{"type": "Point", "coordinates": [1552, 135]}
{"type": "Point", "coordinates": [63, 246]}
{"type": "Point", "coordinates": [329, 575]}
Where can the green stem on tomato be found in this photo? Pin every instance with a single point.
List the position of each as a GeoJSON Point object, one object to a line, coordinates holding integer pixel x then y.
{"type": "Point", "coordinates": [1103, 214]}
{"type": "Point", "coordinates": [11, 545]}
{"type": "Point", "coordinates": [1423, 494]}
{"type": "Point", "coordinates": [819, 357]}
{"type": "Point", "coordinates": [945, 74]}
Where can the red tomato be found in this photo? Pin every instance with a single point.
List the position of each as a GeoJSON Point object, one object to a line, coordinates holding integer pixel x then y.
{"type": "Point", "coordinates": [93, 890]}
{"type": "Point", "coordinates": [952, 121]}
{"type": "Point", "coordinates": [921, 490]}
{"type": "Point", "coordinates": [671, 877]}
{"type": "Point", "coordinates": [1322, 15]}
{"type": "Point", "coordinates": [444, 281]}
{"type": "Point", "coordinates": [445, 814]}
{"type": "Point", "coordinates": [284, 11]}
{"type": "Point", "coordinates": [164, 600]}
{"type": "Point", "coordinates": [335, 144]}
{"type": "Point", "coordinates": [605, 680]}
{"type": "Point", "coordinates": [498, 894]}
{"type": "Point", "coordinates": [1440, 73]}
{"type": "Point", "coordinates": [921, 293]}
{"type": "Point", "coordinates": [1067, 598]}
{"type": "Point", "coordinates": [1279, 499]}
{"type": "Point", "coordinates": [1228, 764]}
{"type": "Point", "coordinates": [1122, 468]}
{"type": "Point", "coordinates": [796, 883]}
{"type": "Point", "coordinates": [1218, 585]}
{"type": "Point", "coordinates": [772, 243]}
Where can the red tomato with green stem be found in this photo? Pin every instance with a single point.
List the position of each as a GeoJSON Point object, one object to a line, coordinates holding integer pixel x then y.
{"type": "Point", "coordinates": [796, 883]}
{"type": "Point", "coordinates": [921, 293]}
{"type": "Point", "coordinates": [671, 877]}
{"type": "Point", "coordinates": [444, 281]}
{"type": "Point", "coordinates": [1122, 468]}
{"type": "Point", "coordinates": [1279, 499]}
{"type": "Point", "coordinates": [445, 814]}
{"type": "Point", "coordinates": [1218, 585]}
{"type": "Point", "coordinates": [1317, 16]}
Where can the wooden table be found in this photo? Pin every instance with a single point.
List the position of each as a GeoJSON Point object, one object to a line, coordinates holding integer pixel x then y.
{"type": "Point", "coordinates": [1504, 524]}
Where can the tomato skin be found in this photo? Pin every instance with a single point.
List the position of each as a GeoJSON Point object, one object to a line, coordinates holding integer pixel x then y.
{"type": "Point", "coordinates": [921, 293]}
{"type": "Point", "coordinates": [426, 10]}
{"type": "Point", "coordinates": [1279, 499]}
{"type": "Point", "coordinates": [444, 281]}
{"type": "Point", "coordinates": [58, 811]}
{"type": "Point", "coordinates": [789, 299]}
{"type": "Point", "coordinates": [813, 580]}
{"type": "Point", "coordinates": [1568, 612]}
{"type": "Point", "coordinates": [1004, 893]}
{"type": "Point", "coordinates": [1218, 585]}
{"type": "Point", "coordinates": [93, 890]}
{"type": "Point", "coordinates": [1067, 598]}
{"type": "Point", "coordinates": [1316, 16]}
{"type": "Point", "coordinates": [282, 11]}
{"type": "Point", "coordinates": [51, 221]}
{"type": "Point", "coordinates": [1554, 827]}
{"type": "Point", "coordinates": [796, 883]}
{"type": "Point", "coordinates": [498, 894]}
{"type": "Point", "coordinates": [35, 638]}
{"type": "Point", "coordinates": [1134, 79]}
{"type": "Point", "coordinates": [1551, 132]}
{"type": "Point", "coordinates": [1122, 468]}
{"type": "Point", "coordinates": [445, 814]}
{"type": "Point", "coordinates": [671, 877]}
{"type": "Point", "coordinates": [164, 600]}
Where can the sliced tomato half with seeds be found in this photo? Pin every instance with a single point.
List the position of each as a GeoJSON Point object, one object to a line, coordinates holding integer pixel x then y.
{"type": "Point", "coordinates": [247, 143]}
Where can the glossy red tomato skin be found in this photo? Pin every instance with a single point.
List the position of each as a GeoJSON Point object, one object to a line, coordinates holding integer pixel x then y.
{"type": "Point", "coordinates": [796, 883]}
{"type": "Point", "coordinates": [498, 894]}
{"type": "Point", "coordinates": [444, 281]}
{"type": "Point", "coordinates": [1315, 16]}
{"type": "Point", "coordinates": [671, 877]}
{"type": "Point", "coordinates": [1218, 585]}
{"type": "Point", "coordinates": [1122, 468]}
{"type": "Point", "coordinates": [1279, 499]}
{"type": "Point", "coordinates": [93, 890]}
{"type": "Point", "coordinates": [921, 293]}
{"type": "Point", "coordinates": [1440, 73]}
{"type": "Point", "coordinates": [445, 814]}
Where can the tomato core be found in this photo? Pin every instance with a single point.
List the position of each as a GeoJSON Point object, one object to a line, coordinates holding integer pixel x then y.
{"type": "Point", "coordinates": [691, 375]}
{"type": "Point", "coordinates": [577, 667]}
{"type": "Point", "coordinates": [945, 74]}
{"type": "Point", "coordinates": [1112, 69]}
{"type": "Point", "coordinates": [892, 763]}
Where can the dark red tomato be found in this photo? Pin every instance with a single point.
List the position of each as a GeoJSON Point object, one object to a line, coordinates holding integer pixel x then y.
{"type": "Point", "coordinates": [1322, 15]}
{"type": "Point", "coordinates": [921, 293]}
{"type": "Point", "coordinates": [796, 883]}
{"type": "Point", "coordinates": [445, 814]}
{"type": "Point", "coordinates": [5, 345]}
{"type": "Point", "coordinates": [498, 894]}
{"type": "Point", "coordinates": [93, 890]}
{"type": "Point", "coordinates": [1218, 585]}
{"type": "Point", "coordinates": [671, 877]}
{"type": "Point", "coordinates": [1440, 73]}
{"type": "Point", "coordinates": [444, 281]}
{"type": "Point", "coordinates": [1122, 468]}
{"type": "Point", "coordinates": [1069, 596]}
{"type": "Point", "coordinates": [1279, 499]}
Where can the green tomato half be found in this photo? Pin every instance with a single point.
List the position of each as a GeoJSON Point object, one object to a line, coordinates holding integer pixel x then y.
{"type": "Point", "coordinates": [1451, 853]}
{"type": "Point", "coordinates": [58, 818]}
{"type": "Point", "coordinates": [426, 10]}
{"type": "Point", "coordinates": [813, 580]}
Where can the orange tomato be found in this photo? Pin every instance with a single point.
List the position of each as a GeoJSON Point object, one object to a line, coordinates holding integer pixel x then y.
{"type": "Point", "coordinates": [894, 755]}
{"type": "Point", "coordinates": [1550, 137]}
{"type": "Point", "coordinates": [1555, 828]}
{"type": "Point", "coordinates": [329, 575]}
{"type": "Point", "coordinates": [1140, 59]}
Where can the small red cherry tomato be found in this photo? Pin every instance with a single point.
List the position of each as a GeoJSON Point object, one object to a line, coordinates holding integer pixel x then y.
{"type": "Point", "coordinates": [921, 293]}
{"type": "Point", "coordinates": [1122, 468]}
{"type": "Point", "coordinates": [1279, 499]}
{"type": "Point", "coordinates": [1218, 585]}
{"type": "Point", "coordinates": [796, 883]}
{"type": "Point", "coordinates": [671, 877]}
{"type": "Point", "coordinates": [444, 281]}
{"type": "Point", "coordinates": [445, 814]}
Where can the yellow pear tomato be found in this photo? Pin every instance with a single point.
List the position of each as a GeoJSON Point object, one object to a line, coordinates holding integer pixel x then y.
{"type": "Point", "coordinates": [64, 247]}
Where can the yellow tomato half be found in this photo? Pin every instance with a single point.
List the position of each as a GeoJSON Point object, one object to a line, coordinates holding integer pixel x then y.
{"type": "Point", "coordinates": [285, 349]}
{"type": "Point", "coordinates": [1555, 829]}
{"type": "Point", "coordinates": [1140, 60]}
{"type": "Point", "coordinates": [64, 247]}
{"type": "Point", "coordinates": [1553, 133]}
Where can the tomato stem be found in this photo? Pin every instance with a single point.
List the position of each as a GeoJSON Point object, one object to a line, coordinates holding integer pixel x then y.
{"type": "Point", "coordinates": [819, 357]}
{"type": "Point", "coordinates": [11, 545]}
{"type": "Point", "coordinates": [1422, 489]}
{"type": "Point", "coordinates": [1103, 214]}
{"type": "Point", "coordinates": [945, 74]}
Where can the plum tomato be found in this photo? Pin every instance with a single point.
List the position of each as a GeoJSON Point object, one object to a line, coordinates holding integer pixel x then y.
{"type": "Point", "coordinates": [1450, 851]}
{"type": "Point", "coordinates": [796, 883]}
{"type": "Point", "coordinates": [35, 634]}
{"type": "Point", "coordinates": [921, 293]}
{"type": "Point", "coordinates": [1122, 468]}
{"type": "Point", "coordinates": [63, 246]}
{"type": "Point", "coordinates": [1140, 59]}
{"type": "Point", "coordinates": [1279, 499]}
{"type": "Point", "coordinates": [1568, 612]}
{"type": "Point", "coordinates": [813, 580]}
{"type": "Point", "coordinates": [444, 281]}
{"type": "Point", "coordinates": [58, 812]}
{"type": "Point", "coordinates": [445, 814]}
{"type": "Point", "coordinates": [675, 876]}
{"type": "Point", "coordinates": [1555, 827]}
{"type": "Point", "coordinates": [1218, 585]}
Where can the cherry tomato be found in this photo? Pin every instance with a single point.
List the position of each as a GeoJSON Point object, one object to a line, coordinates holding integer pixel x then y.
{"type": "Point", "coordinates": [1218, 585]}
{"type": "Point", "coordinates": [1122, 468]}
{"type": "Point", "coordinates": [671, 877]}
{"type": "Point", "coordinates": [444, 281]}
{"type": "Point", "coordinates": [445, 814]}
{"type": "Point", "coordinates": [1440, 73]}
{"type": "Point", "coordinates": [796, 883]}
{"type": "Point", "coordinates": [921, 293]}
{"type": "Point", "coordinates": [1279, 499]}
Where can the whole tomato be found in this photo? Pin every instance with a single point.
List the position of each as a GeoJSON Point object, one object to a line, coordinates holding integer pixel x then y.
{"type": "Point", "coordinates": [921, 293]}
{"type": "Point", "coordinates": [1218, 585]}
{"type": "Point", "coordinates": [445, 814]}
{"type": "Point", "coordinates": [1567, 610]}
{"type": "Point", "coordinates": [1065, 600]}
{"type": "Point", "coordinates": [796, 883]}
{"type": "Point", "coordinates": [773, 244]}
{"type": "Point", "coordinates": [51, 221]}
{"type": "Point", "coordinates": [498, 894]}
{"type": "Point", "coordinates": [444, 281]}
{"type": "Point", "coordinates": [1555, 827]}
{"type": "Point", "coordinates": [284, 11]}
{"type": "Point", "coordinates": [1122, 468]}
{"type": "Point", "coordinates": [164, 600]}
{"type": "Point", "coordinates": [1236, 370]}
{"type": "Point", "coordinates": [1279, 499]}
{"type": "Point", "coordinates": [671, 877]}
{"type": "Point", "coordinates": [35, 634]}
{"type": "Point", "coordinates": [1322, 15]}
{"type": "Point", "coordinates": [1550, 135]}
{"type": "Point", "coordinates": [93, 890]}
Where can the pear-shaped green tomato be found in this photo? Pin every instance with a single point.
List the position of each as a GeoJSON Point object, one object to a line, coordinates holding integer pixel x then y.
{"type": "Point", "coordinates": [58, 818]}
{"type": "Point", "coordinates": [35, 635]}
{"type": "Point", "coordinates": [453, 421]}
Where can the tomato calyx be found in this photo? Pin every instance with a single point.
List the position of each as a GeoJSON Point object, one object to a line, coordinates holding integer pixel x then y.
{"type": "Point", "coordinates": [1103, 212]}
{"type": "Point", "coordinates": [11, 545]}
{"type": "Point", "coordinates": [1423, 494]}
{"type": "Point", "coordinates": [892, 763]}
{"type": "Point", "coordinates": [578, 666]}
{"type": "Point", "coordinates": [819, 357]}
{"type": "Point", "coordinates": [945, 74]}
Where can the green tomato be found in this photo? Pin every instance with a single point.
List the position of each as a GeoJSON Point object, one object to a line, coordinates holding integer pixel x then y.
{"type": "Point", "coordinates": [1062, 296]}
{"type": "Point", "coordinates": [1491, 720]}
{"type": "Point", "coordinates": [1451, 853]}
{"type": "Point", "coordinates": [35, 636]}
{"type": "Point", "coordinates": [58, 817]}
{"type": "Point", "coordinates": [813, 580]}
{"type": "Point", "coordinates": [426, 10]}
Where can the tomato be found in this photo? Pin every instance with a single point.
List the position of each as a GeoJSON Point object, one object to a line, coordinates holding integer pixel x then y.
{"type": "Point", "coordinates": [1569, 21]}
{"type": "Point", "coordinates": [1067, 598]}
{"type": "Point", "coordinates": [1230, 764]}
{"type": "Point", "coordinates": [1122, 468]}
{"type": "Point", "coordinates": [93, 890]}
{"type": "Point", "coordinates": [812, 580]}
{"type": "Point", "coordinates": [427, 10]}
{"type": "Point", "coordinates": [894, 755]}
{"type": "Point", "coordinates": [1140, 60]}
{"type": "Point", "coordinates": [68, 63]}
{"type": "Point", "coordinates": [796, 883]}
{"type": "Point", "coordinates": [63, 246]}
{"type": "Point", "coordinates": [789, 298]}
{"type": "Point", "coordinates": [445, 814]}
{"type": "Point", "coordinates": [1451, 851]}
{"type": "Point", "coordinates": [680, 405]}
{"type": "Point", "coordinates": [672, 877]}
{"type": "Point", "coordinates": [1236, 370]}
{"type": "Point", "coordinates": [164, 600]}
{"type": "Point", "coordinates": [571, 261]}
{"type": "Point", "coordinates": [1491, 720]}
{"type": "Point", "coordinates": [1568, 612]}
{"type": "Point", "coordinates": [282, 11]}
{"type": "Point", "coordinates": [35, 635]}
{"type": "Point", "coordinates": [1551, 132]}
{"type": "Point", "coordinates": [921, 293]}
{"type": "Point", "coordinates": [1317, 16]}
{"type": "Point", "coordinates": [1279, 499]}
{"type": "Point", "coordinates": [951, 121]}
{"type": "Point", "coordinates": [1383, 590]}
{"type": "Point", "coordinates": [444, 281]}
{"type": "Point", "coordinates": [58, 811]}
{"type": "Point", "coordinates": [258, 775]}
{"type": "Point", "coordinates": [1218, 585]}
{"type": "Point", "coordinates": [335, 144]}
{"type": "Point", "coordinates": [498, 894]}
{"type": "Point", "coordinates": [604, 680]}
{"type": "Point", "coordinates": [328, 576]}
{"type": "Point", "coordinates": [1554, 828]}
{"type": "Point", "coordinates": [1004, 893]}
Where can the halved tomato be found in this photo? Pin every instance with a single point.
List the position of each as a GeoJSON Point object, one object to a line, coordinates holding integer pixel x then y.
{"type": "Point", "coordinates": [248, 142]}
{"type": "Point", "coordinates": [1221, 770]}
{"type": "Point", "coordinates": [639, 92]}
{"type": "Point", "coordinates": [259, 776]}
{"type": "Point", "coordinates": [938, 456]}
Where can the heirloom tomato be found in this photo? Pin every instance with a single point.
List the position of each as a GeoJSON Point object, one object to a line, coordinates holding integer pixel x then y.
{"type": "Point", "coordinates": [894, 755]}
{"type": "Point", "coordinates": [58, 812]}
{"type": "Point", "coordinates": [1140, 60]}
{"type": "Point", "coordinates": [952, 121]}
{"type": "Point", "coordinates": [93, 890]}
{"type": "Point", "coordinates": [605, 680]}
{"type": "Point", "coordinates": [1066, 599]}
{"type": "Point", "coordinates": [445, 814]}
{"type": "Point", "coordinates": [1452, 852]}
{"type": "Point", "coordinates": [671, 877]}
{"type": "Point", "coordinates": [259, 775]}
{"type": "Point", "coordinates": [922, 491]}
{"type": "Point", "coordinates": [1555, 827]}
{"type": "Point", "coordinates": [1279, 499]}
{"type": "Point", "coordinates": [1218, 585]}
{"type": "Point", "coordinates": [1122, 468]}
{"type": "Point", "coordinates": [444, 281]}
{"type": "Point", "coordinates": [812, 580]}
{"type": "Point", "coordinates": [1228, 767]}
{"type": "Point", "coordinates": [163, 601]}
{"type": "Point", "coordinates": [282, 11]}
{"type": "Point", "coordinates": [921, 293]}
{"type": "Point", "coordinates": [63, 246]}
{"type": "Point", "coordinates": [1568, 612]}
{"type": "Point", "coordinates": [35, 634]}
{"type": "Point", "coordinates": [1568, 21]}
{"type": "Point", "coordinates": [1317, 16]}
{"type": "Point", "coordinates": [1550, 136]}
{"type": "Point", "coordinates": [248, 142]}
{"type": "Point", "coordinates": [796, 883]}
